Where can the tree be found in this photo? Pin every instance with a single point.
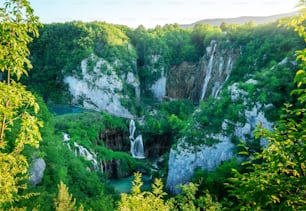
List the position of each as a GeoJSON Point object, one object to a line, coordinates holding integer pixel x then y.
{"type": "Point", "coordinates": [188, 201]}
{"type": "Point", "coordinates": [18, 127]}
{"type": "Point", "coordinates": [143, 200]}
{"type": "Point", "coordinates": [277, 176]}
{"type": "Point", "coordinates": [64, 200]}
{"type": "Point", "coordinates": [154, 200]}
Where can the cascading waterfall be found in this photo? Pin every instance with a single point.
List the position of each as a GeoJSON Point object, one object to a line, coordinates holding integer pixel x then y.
{"type": "Point", "coordinates": [137, 148]}
{"type": "Point", "coordinates": [82, 151]}
{"type": "Point", "coordinates": [208, 73]}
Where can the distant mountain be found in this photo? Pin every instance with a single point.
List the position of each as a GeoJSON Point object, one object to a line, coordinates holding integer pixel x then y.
{"type": "Point", "coordinates": [241, 20]}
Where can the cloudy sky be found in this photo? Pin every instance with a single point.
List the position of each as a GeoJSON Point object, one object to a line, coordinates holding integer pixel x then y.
{"type": "Point", "coordinates": [155, 12]}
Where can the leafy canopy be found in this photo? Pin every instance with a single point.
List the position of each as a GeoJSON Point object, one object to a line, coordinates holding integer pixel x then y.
{"type": "Point", "coordinates": [18, 125]}
{"type": "Point", "coordinates": [277, 177]}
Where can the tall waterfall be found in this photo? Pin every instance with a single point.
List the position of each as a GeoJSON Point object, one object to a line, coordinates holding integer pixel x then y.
{"type": "Point", "coordinates": [208, 73]}
{"type": "Point", "coordinates": [137, 148]}
{"type": "Point", "coordinates": [228, 71]}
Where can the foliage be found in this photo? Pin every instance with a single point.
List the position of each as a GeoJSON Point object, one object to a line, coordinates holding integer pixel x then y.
{"type": "Point", "coordinates": [166, 121]}
{"type": "Point", "coordinates": [203, 34]}
{"type": "Point", "coordinates": [145, 200]}
{"type": "Point", "coordinates": [18, 127]}
{"type": "Point", "coordinates": [88, 187]}
{"type": "Point", "coordinates": [260, 46]}
{"type": "Point", "coordinates": [273, 87]}
{"type": "Point", "coordinates": [208, 118]}
{"type": "Point", "coordinates": [276, 178]}
{"type": "Point", "coordinates": [213, 181]}
{"type": "Point", "coordinates": [278, 181]}
{"type": "Point", "coordinates": [64, 200]}
{"type": "Point", "coordinates": [188, 200]}
{"type": "Point", "coordinates": [271, 181]}
{"type": "Point", "coordinates": [85, 127]}
{"type": "Point", "coordinates": [61, 48]}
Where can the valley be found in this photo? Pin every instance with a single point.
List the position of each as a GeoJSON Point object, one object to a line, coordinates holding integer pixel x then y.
{"type": "Point", "coordinates": [171, 105]}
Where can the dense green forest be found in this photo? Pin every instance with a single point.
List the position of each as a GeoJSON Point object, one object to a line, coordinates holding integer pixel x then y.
{"type": "Point", "coordinates": [254, 68]}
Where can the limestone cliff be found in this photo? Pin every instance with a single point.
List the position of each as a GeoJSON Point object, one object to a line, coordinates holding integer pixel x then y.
{"type": "Point", "coordinates": [100, 87]}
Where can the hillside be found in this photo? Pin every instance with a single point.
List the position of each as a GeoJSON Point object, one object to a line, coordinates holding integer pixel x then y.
{"type": "Point", "coordinates": [241, 20]}
{"type": "Point", "coordinates": [194, 95]}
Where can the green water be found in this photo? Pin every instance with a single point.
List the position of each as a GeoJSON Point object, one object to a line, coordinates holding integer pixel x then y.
{"type": "Point", "coordinates": [64, 109]}
{"type": "Point", "coordinates": [124, 185]}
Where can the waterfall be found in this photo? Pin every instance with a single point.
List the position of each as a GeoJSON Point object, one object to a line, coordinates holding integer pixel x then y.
{"type": "Point", "coordinates": [82, 151]}
{"type": "Point", "coordinates": [228, 71]}
{"type": "Point", "coordinates": [137, 148]}
{"type": "Point", "coordinates": [208, 73]}
{"type": "Point", "coordinates": [132, 129]}
{"type": "Point", "coordinates": [66, 140]}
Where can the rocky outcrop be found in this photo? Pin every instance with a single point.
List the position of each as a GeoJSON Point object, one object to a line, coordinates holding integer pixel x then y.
{"type": "Point", "coordinates": [186, 158]}
{"type": "Point", "coordinates": [100, 88]}
{"type": "Point", "coordinates": [159, 88]}
{"type": "Point", "coordinates": [253, 115]}
{"type": "Point", "coordinates": [37, 171]}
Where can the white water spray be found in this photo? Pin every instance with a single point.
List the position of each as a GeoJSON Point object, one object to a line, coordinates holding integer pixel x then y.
{"type": "Point", "coordinates": [137, 148]}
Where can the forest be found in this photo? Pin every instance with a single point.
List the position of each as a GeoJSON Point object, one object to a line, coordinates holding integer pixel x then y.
{"type": "Point", "coordinates": [201, 118]}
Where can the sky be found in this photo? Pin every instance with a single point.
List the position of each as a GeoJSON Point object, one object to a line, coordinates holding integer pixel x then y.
{"type": "Point", "coordinates": [155, 12]}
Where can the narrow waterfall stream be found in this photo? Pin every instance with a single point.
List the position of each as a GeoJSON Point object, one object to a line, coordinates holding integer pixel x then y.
{"type": "Point", "coordinates": [228, 71]}
{"type": "Point", "coordinates": [208, 73]}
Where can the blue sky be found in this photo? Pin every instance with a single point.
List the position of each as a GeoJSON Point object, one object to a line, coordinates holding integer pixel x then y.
{"type": "Point", "coordinates": [155, 12]}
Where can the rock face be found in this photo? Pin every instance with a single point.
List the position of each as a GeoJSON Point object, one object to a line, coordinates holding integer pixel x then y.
{"type": "Point", "coordinates": [254, 115]}
{"type": "Point", "coordinates": [199, 81]}
{"type": "Point", "coordinates": [185, 159]}
{"type": "Point", "coordinates": [159, 88]}
{"type": "Point", "coordinates": [37, 171]}
{"type": "Point", "coordinates": [181, 81]}
{"type": "Point", "coordinates": [100, 88]}
{"type": "Point", "coordinates": [114, 139]}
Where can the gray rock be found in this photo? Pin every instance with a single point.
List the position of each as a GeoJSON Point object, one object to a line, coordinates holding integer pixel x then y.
{"type": "Point", "coordinates": [37, 171]}
{"type": "Point", "coordinates": [185, 159]}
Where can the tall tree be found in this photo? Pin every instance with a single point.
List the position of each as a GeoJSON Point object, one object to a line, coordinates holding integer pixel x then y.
{"type": "Point", "coordinates": [18, 125]}
{"type": "Point", "coordinates": [64, 200]}
{"type": "Point", "coordinates": [277, 176]}
{"type": "Point", "coordinates": [143, 200]}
